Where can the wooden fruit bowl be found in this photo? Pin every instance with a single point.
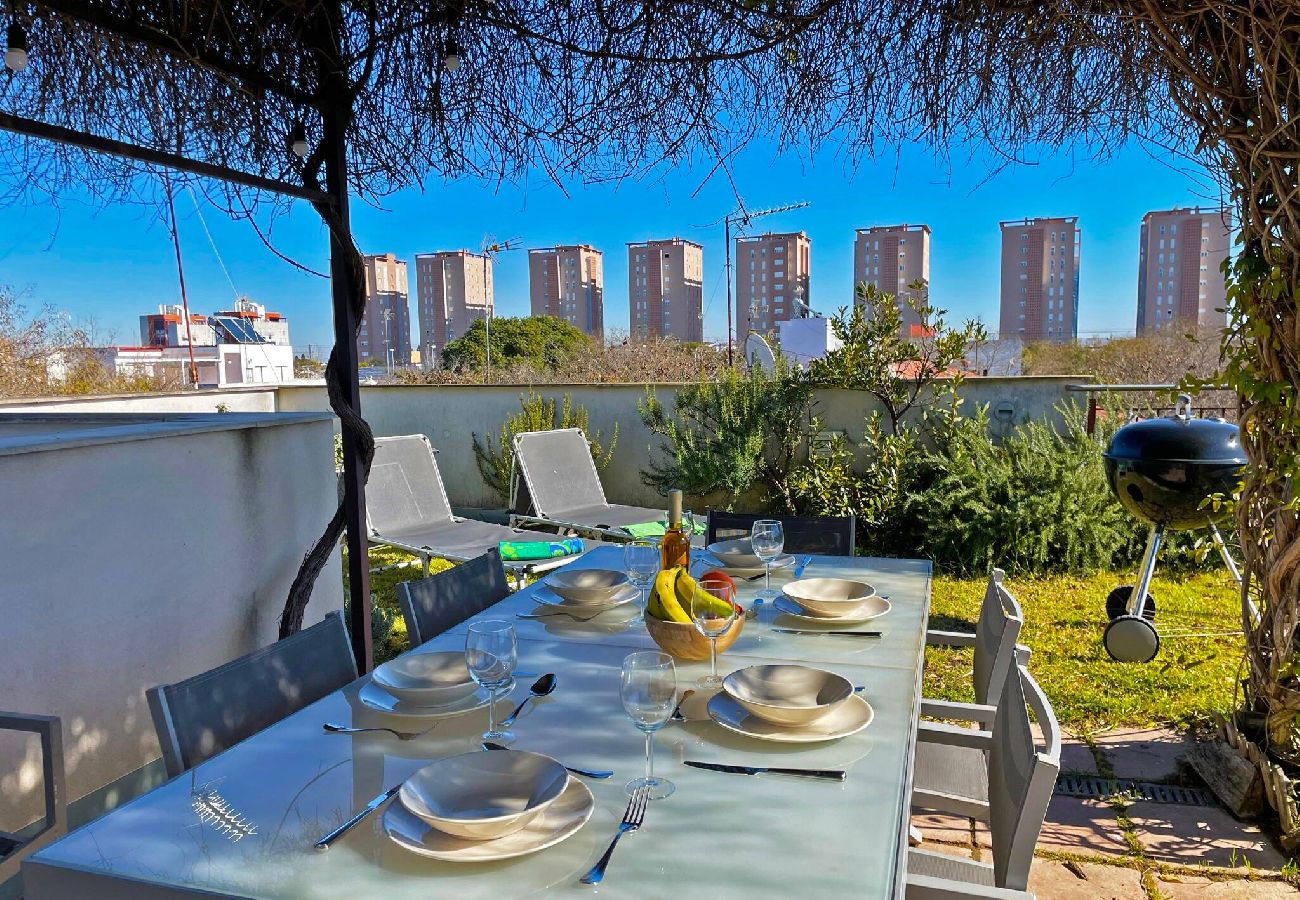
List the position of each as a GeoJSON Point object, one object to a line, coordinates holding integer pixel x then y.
{"type": "Point", "coordinates": [682, 640]}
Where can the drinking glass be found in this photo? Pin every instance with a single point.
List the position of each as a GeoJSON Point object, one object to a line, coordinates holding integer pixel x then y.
{"type": "Point", "coordinates": [641, 559]}
{"type": "Point", "coordinates": [709, 623]}
{"type": "Point", "coordinates": [767, 540]}
{"type": "Point", "coordinates": [648, 689]}
{"type": "Point", "coordinates": [490, 656]}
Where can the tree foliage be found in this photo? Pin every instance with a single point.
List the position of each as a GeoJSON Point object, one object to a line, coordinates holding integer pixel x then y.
{"type": "Point", "coordinates": [536, 413]}
{"type": "Point", "coordinates": [737, 436]}
{"type": "Point", "coordinates": [898, 371]}
{"type": "Point", "coordinates": [544, 343]}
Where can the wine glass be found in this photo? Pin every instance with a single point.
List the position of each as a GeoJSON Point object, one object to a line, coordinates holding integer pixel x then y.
{"type": "Point", "coordinates": [648, 689]}
{"type": "Point", "coordinates": [705, 613]}
{"type": "Point", "coordinates": [641, 559]}
{"type": "Point", "coordinates": [490, 656]}
{"type": "Point", "coordinates": [768, 540]}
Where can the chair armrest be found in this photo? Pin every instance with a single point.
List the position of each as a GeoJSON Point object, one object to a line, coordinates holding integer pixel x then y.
{"type": "Point", "coordinates": [967, 712]}
{"type": "Point", "coordinates": [927, 887]}
{"type": "Point", "coordinates": [949, 639]}
{"type": "Point", "coordinates": [1022, 655]}
{"type": "Point", "coordinates": [951, 735]}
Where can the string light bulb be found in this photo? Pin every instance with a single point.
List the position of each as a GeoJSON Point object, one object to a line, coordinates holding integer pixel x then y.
{"type": "Point", "coordinates": [298, 139]}
{"type": "Point", "coordinates": [451, 57]}
{"type": "Point", "coordinates": [16, 48]}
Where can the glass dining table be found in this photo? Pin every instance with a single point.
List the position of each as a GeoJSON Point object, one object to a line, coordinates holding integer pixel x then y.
{"type": "Point", "coordinates": [243, 824]}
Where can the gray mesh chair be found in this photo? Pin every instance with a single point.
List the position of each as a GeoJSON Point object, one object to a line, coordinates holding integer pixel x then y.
{"type": "Point", "coordinates": [1020, 782]}
{"type": "Point", "coordinates": [560, 488]}
{"type": "Point", "coordinates": [15, 847]}
{"type": "Point", "coordinates": [432, 605]}
{"type": "Point", "coordinates": [925, 887]}
{"type": "Point", "coordinates": [946, 774]}
{"type": "Point", "coordinates": [201, 716]}
{"type": "Point", "coordinates": [825, 535]}
{"type": "Point", "coordinates": [407, 508]}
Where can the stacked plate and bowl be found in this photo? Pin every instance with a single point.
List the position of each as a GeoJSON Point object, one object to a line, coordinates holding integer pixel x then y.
{"type": "Point", "coordinates": [487, 805]}
{"type": "Point", "coordinates": [585, 592]}
{"type": "Point", "coordinates": [424, 685]}
{"type": "Point", "coordinates": [789, 704]}
{"type": "Point", "coordinates": [831, 601]}
{"type": "Point", "coordinates": [738, 557]}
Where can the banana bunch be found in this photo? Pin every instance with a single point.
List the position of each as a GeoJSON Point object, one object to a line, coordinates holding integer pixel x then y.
{"type": "Point", "coordinates": [676, 593]}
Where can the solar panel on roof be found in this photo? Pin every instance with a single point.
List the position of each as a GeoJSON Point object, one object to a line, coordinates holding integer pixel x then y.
{"type": "Point", "coordinates": [240, 331]}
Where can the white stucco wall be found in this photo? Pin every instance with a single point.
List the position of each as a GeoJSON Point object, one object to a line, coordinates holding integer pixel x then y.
{"type": "Point", "coordinates": [256, 399]}
{"type": "Point", "coordinates": [142, 553]}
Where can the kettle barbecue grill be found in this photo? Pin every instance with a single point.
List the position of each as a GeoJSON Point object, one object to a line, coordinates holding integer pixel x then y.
{"type": "Point", "coordinates": [1163, 470]}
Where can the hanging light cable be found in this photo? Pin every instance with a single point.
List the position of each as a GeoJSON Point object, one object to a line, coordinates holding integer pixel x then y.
{"type": "Point", "coordinates": [16, 47]}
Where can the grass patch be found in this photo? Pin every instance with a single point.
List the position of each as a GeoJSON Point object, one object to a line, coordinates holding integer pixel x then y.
{"type": "Point", "coordinates": [1189, 679]}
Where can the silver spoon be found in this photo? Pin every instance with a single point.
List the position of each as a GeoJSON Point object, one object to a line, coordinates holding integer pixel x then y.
{"type": "Point", "coordinates": [541, 687]}
{"type": "Point", "coordinates": [586, 773]}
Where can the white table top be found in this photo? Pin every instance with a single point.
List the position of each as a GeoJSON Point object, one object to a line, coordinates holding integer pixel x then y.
{"type": "Point", "coordinates": [718, 836]}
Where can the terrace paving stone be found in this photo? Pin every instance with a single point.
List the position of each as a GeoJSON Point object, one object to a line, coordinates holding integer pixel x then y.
{"type": "Point", "coordinates": [1200, 835]}
{"type": "Point", "coordinates": [1189, 887]}
{"type": "Point", "coordinates": [1076, 755]}
{"type": "Point", "coordinates": [941, 827]}
{"type": "Point", "coordinates": [1050, 879]}
{"type": "Point", "coordinates": [1075, 825]}
{"type": "Point", "coordinates": [1146, 754]}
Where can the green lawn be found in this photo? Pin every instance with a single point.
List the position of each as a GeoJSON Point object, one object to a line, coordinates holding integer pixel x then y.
{"type": "Point", "coordinates": [1192, 677]}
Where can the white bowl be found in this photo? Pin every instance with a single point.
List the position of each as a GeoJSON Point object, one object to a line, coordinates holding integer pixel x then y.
{"type": "Point", "coordinates": [426, 679]}
{"type": "Point", "coordinates": [586, 586]}
{"type": "Point", "coordinates": [829, 596]}
{"type": "Point", "coordinates": [786, 694]}
{"type": "Point", "coordinates": [485, 794]}
{"type": "Point", "coordinates": [738, 553]}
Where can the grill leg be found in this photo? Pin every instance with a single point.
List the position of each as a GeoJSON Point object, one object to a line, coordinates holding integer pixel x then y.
{"type": "Point", "coordinates": [1249, 611]}
{"type": "Point", "coordinates": [1147, 570]}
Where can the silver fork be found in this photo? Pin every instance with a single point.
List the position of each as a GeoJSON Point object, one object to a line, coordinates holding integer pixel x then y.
{"type": "Point", "coordinates": [632, 819]}
{"type": "Point", "coordinates": [400, 735]}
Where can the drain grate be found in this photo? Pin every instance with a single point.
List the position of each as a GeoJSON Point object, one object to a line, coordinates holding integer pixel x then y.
{"type": "Point", "coordinates": [1100, 788]}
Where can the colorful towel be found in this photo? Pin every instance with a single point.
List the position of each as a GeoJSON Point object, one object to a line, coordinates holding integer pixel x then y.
{"type": "Point", "coordinates": [523, 551]}
{"type": "Point", "coordinates": [657, 529]}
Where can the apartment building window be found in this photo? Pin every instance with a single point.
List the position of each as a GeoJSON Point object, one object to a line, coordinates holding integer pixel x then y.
{"type": "Point", "coordinates": [1024, 237]}
{"type": "Point", "coordinates": [1173, 229]}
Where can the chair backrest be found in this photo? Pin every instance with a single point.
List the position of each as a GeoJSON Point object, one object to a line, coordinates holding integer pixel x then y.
{"type": "Point", "coordinates": [14, 848]}
{"type": "Point", "coordinates": [996, 634]}
{"type": "Point", "coordinates": [1021, 778]}
{"type": "Point", "coordinates": [558, 471]}
{"type": "Point", "coordinates": [405, 490]}
{"type": "Point", "coordinates": [199, 717]}
{"type": "Point", "coordinates": [827, 535]}
{"type": "Point", "coordinates": [432, 605]}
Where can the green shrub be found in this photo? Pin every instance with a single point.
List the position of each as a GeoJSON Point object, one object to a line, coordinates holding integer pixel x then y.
{"type": "Point", "coordinates": [732, 438]}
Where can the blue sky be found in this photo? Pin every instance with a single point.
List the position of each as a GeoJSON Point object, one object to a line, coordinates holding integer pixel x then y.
{"type": "Point", "coordinates": [114, 264]}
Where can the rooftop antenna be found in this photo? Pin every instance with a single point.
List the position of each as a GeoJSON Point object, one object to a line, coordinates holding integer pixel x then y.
{"type": "Point", "coordinates": [491, 248]}
{"type": "Point", "coordinates": [742, 218]}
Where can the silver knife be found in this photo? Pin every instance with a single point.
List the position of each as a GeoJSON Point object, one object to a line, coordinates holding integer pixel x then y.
{"type": "Point", "coordinates": [325, 842]}
{"type": "Point", "coordinates": [870, 634]}
{"type": "Point", "coordinates": [829, 774]}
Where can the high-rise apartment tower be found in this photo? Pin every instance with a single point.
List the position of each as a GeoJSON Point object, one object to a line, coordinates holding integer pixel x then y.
{"type": "Point", "coordinates": [665, 288]}
{"type": "Point", "coordinates": [453, 290]}
{"type": "Point", "coordinates": [1040, 279]}
{"type": "Point", "coordinates": [1180, 282]}
{"type": "Point", "coordinates": [568, 282]}
{"type": "Point", "coordinates": [893, 258]}
{"type": "Point", "coordinates": [771, 281]}
{"type": "Point", "coordinates": [385, 335]}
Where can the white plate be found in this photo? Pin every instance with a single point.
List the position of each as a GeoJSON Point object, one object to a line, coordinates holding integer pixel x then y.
{"type": "Point", "coordinates": [378, 699]}
{"type": "Point", "coordinates": [785, 561]}
{"type": "Point", "coordinates": [868, 610]}
{"type": "Point", "coordinates": [547, 597]}
{"type": "Point", "coordinates": [561, 820]}
{"type": "Point", "coordinates": [850, 717]}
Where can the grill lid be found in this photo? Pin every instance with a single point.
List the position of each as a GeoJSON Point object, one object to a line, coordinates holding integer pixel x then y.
{"type": "Point", "coordinates": [1180, 437]}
